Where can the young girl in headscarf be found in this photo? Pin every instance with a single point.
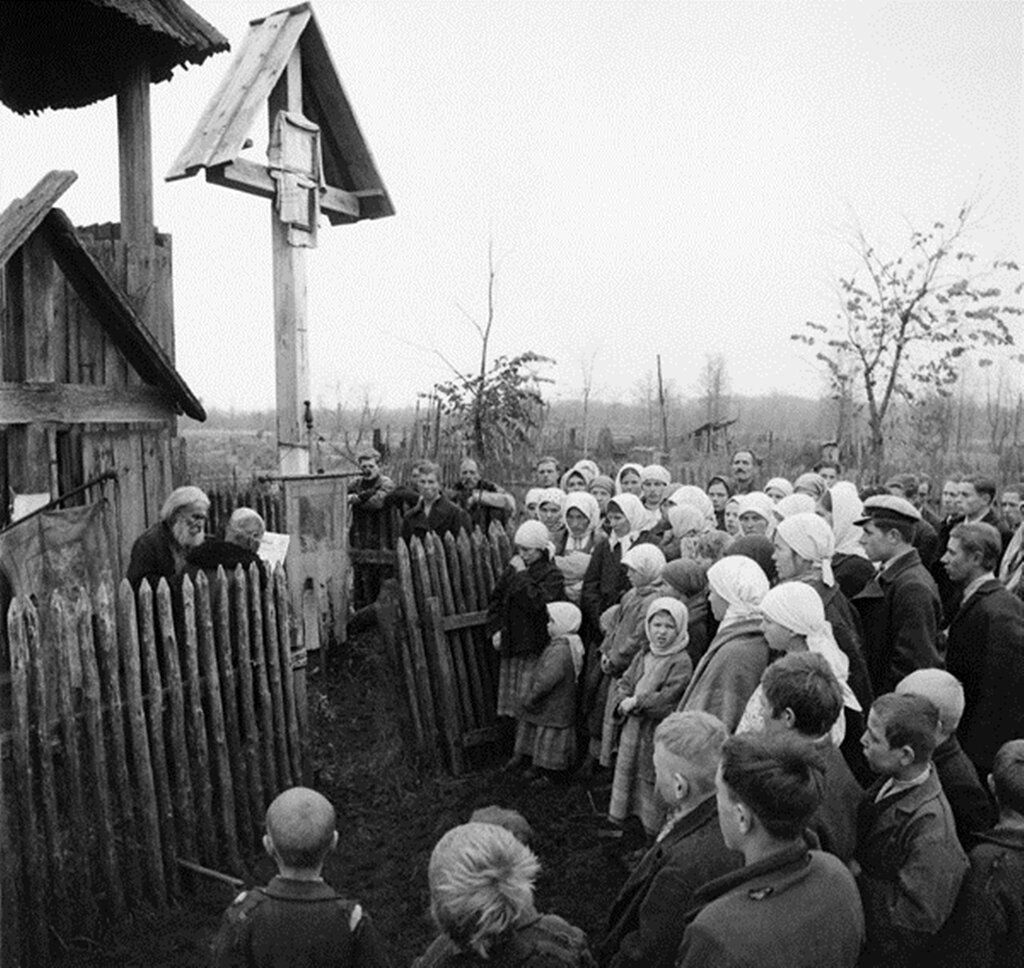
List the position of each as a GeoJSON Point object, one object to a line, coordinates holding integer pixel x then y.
{"type": "Point", "coordinates": [793, 620]}
{"type": "Point", "coordinates": [731, 517]}
{"type": "Point", "coordinates": [686, 525]}
{"type": "Point", "coordinates": [551, 513]}
{"type": "Point", "coordinates": [842, 506]}
{"type": "Point", "coordinates": [582, 517]}
{"type": "Point", "coordinates": [517, 617]}
{"type": "Point", "coordinates": [546, 730]}
{"type": "Point", "coordinates": [654, 479]}
{"type": "Point", "coordinates": [627, 481]}
{"type": "Point", "coordinates": [623, 627]}
{"type": "Point", "coordinates": [729, 672]}
{"type": "Point", "coordinates": [647, 692]}
{"type": "Point", "coordinates": [603, 489]}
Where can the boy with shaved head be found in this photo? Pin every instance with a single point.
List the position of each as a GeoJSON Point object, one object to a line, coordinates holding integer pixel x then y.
{"type": "Point", "coordinates": [297, 919]}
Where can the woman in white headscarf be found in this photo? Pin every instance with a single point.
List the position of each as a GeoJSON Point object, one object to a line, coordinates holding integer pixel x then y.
{"type": "Point", "coordinates": [794, 621]}
{"type": "Point", "coordinates": [696, 498]}
{"type": "Point", "coordinates": [627, 481]}
{"type": "Point", "coordinates": [623, 627]}
{"type": "Point", "coordinates": [551, 513]}
{"type": "Point", "coordinates": [647, 692]}
{"type": "Point", "coordinates": [546, 728]}
{"type": "Point", "coordinates": [794, 504]}
{"type": "Point", "coordinates": [804, 548]}
{"type": "Point", "coordinates": [517, 617]}
{"type": "Point", "coordinates": [730, 670]}
{"type": "Point", "coordinates": [812, 484]}
{"type": "Point", "coordinates": [757, 514]}
{"type": "Point", "coordinates": [530, 503]}
{"type": "Point", "coordinates": [582, 520]}
{"type": "Point", "coordinates": [778, 488]}
{"type": "Point", "coordinates": [841, 506]}
{"type": "Point", "coordinates": [654, 479]}
{"type": "Point", "coordinates": [577, 478]}
{"type": "Point", "coordinates": [686, 525]}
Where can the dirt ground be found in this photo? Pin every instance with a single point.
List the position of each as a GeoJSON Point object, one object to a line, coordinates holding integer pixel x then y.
{"type": "Point", "coordinates": [391, 812]}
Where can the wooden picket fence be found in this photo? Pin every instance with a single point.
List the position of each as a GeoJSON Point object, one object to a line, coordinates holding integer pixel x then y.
{"type": "Point", "coordinates": [372, 538]}
{"type": "Point", "coordinates": [433, 620]}
{"type": "Point", "coordinates": [149, 733]}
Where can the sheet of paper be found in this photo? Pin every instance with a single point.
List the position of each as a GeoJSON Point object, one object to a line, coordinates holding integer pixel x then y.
{"type": "Point", "coordinates": [274, 547]}
{"type": "Point", "coordinates": [25, 504]}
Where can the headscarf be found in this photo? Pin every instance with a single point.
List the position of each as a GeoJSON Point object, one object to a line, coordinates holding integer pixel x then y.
{"type": "Point", "coordinates": [757, 548]}
{"type": "Point", "coordinates": [814, 484]}
{"type": "Point", "coordinates": [635, 513]}
{"type": "Point", "coordinates": [658, 660]}
{"type": "Point", "coordinates": [553, 495]}
{"type": "Point", "coordinates": [685, 519]}
{"type": "Point", "coordinates": [655, 472]}
{"type": "Point", "coordinates": [602, 480]}
{"type": "Point", "coordinates": [795, 504]}
{"type": "Point", "coordinates": [811, 538]}
{"type": "Point", "coordinates": [741, 582]}
{"type": "Point", "coordinates": [780, 484]}
{"type": "Point", "coordinates": [799, 608]}
{"type": "Point", "coordinates": [695, 497]}
{"type": "Point", "coordinates": [622, 470]}
{"type": "Point", "coordinates": [574, 472]}
{"type": "Point", "coordinates": [846, 508]}
{"type": "Point", "coordinates": [586, 464]}
{"type": "Point", "coordinates": [533, 534]}
{"type": "Point", "coordinates": [757, 502]}
{"type": "Point", "coordinates": [565, 619]}
{"type": "Point", "coordinates": [587, 504]}
{"type": "Point", "coordinates": [686, 576]}
{"type": "Point", "coordinates": [718, 479]}
{"type": "Point", "coordinates": [531, 496]}
{"type": "Point", "coordinates": [647, 560]}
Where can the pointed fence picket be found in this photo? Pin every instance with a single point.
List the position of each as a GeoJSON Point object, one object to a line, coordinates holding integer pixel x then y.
{"type": "Point", "coordinates": [148, 731]}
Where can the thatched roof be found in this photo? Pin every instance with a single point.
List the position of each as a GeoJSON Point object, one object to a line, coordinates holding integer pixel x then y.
{"type": "Point", "coordinates": [69, 53]}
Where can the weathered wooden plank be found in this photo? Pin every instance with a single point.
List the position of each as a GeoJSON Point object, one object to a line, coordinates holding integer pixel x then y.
{"type": "Point", "coordinates": [224, 799]}
{"type": "Point", "coordinates": [440, 588]}
{"type": "Point", "coordinates": [247, 833]}
{"type": "Point", "coordinates": [22, 217]}
{"type": "Point", "coordinates": [387, 608]}
{"type": "Point", "coordinates": [184, 807]}
{"type": "Point", "coordinates": [110, 682]}
{"type": "Point", "coordinates": [293, 678]}
{"type": "Point", "coordinates": [196, 727]}
{"type": "Point", "coordinates": [143, 769]}
{"type": "Point", "coordinates": [258, 599]}
{"type": "Point", "coordinates": [154, 706]}
{"type": "Point", "coordinates": [467, 620]}
{"type": "Point", "coordinates": [371, 556]}
{"type": "Point", "coordinates": [464, 638]}
{"type": "Point", "coordinates": [250, 733]}
{"type": "Point", "coordinates": [32, 856]}
{"type": "Point", "coordinates": [263, 701]}
{"type": "Point", "coordinates": [446, 687]}
{"type": "Point", "coordinates": [415, 637]}
{"type": "Point", "coordinates": [478, 645]}
{"type": "Point", "coordinates": [79, 831]}
{"type": "Point", "coordinates": [98, 774]}
{"type": "Point", "coordinates": [135, 155]}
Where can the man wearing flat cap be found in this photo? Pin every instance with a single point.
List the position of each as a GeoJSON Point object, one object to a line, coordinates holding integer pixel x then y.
{"type": "Point", "coordinates": [900, 607]}
{"type": "Point", "coordinates": [926, 537]}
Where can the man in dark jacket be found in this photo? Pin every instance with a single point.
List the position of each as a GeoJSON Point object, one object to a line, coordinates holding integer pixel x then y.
{"type": "Point", "coordinates": [644, 924]}
{"type": "Point", "coordinates": [788, 907]}
{"type": "Point", "coordinates": [985, 645]}
{"type": "Point", "coordinates": [481, 499]}
{"type": "Point", "coordinates": [986, 929]}
{"type": "Point", "coordinates": [900, 608]}
{"type": "Point", "coordinates": [434, 512]}
{"type": "Point", "coordinates": [160, 551]}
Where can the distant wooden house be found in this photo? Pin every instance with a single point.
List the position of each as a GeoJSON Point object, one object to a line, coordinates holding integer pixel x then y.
{"type": "Point", "coordinates": [712, 436]}
{"type": "Point", "coordinates": [85, 387]}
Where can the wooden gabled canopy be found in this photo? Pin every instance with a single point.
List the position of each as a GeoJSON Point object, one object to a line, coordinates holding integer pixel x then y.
{"type": "Point", "coordinates": [104, 298]}
{"type": "Point", "coordinates": [354, 189]}
{"type": "Point", "coordinates": [69, 53]}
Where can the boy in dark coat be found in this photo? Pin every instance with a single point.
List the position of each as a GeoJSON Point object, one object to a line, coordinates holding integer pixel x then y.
{"type": "Point", "coordinates": [986, 929]}
{"type": "Point", "coordinates": [644, 924]}
{"type": "Point", "coordinates": [788, 907]}
{"type": "Point", "coordinates": [297, 918]}
{"type": "Point", "coordinates": [909, 863]}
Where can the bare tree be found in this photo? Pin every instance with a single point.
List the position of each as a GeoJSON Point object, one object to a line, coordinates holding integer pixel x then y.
{"type": "Point", "coordinates": [713, 387]}
{"type": "Point", "coordinates": [645, 392]}
{"type": "Point", "coordinates": [587, 370]}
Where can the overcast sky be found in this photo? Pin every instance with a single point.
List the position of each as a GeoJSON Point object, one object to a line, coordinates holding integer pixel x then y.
{"type": "Point", "coordinates": [675, 178]}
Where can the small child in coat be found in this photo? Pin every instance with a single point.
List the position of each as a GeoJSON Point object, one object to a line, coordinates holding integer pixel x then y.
{"type": "Point", "coordinates": [546, 729]}
{"type": "Point", "coordinates": [647, 692]}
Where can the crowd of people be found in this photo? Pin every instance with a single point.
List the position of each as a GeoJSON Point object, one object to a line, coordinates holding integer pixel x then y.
{"type": "Point", "coordinates": [810, 698]}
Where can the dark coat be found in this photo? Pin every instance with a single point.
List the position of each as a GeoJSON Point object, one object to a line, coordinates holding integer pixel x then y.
{"type": "Point", "coordinates": [644, 924]}
{"type": "Point", "coordinates": [551, 697]}
{"type": "Point", "coordinates": [986, 929]}
{"type": "Point", "coordinates": [730, 671]}
{"type": "Point", "coordinates": [481, 515]}
{"type": "Point", "coordinates": [900, 612]}
{"type": "Point", "coordinates": [152, 556]}
{"type": "Point", "coordinates": [973, 811]}
{"type": "Point", "coordinates": [835, 822]}
{"type": "Point", "coordinates": [852, 573]}
{"type": "Point", "coordinates": [213, 554]}
{"type": "Point", "coordinates": [291, 922]}
{"type": "Point", "coordinates": [518, 606]}
{"type": "Point", "coordinates": [985, 651]}
{"type": "Point", "coordinates": [912, 866]}
{"type": "Point", "coordinates": [444, 518]}
{"type": "Point", "coordinates": [604, 583]}
{"type": "Point", "coordinates": [926, 540]}
{"type": "Point", "coordinates": [796, 909]}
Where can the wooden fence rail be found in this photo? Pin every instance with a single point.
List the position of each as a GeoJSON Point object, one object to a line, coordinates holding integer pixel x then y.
{"type": "Point", "coordinates": [148, 732]}
{"type": "Point", "coordinates": [440, 648]}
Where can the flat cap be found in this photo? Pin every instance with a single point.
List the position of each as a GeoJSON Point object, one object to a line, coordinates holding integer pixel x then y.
{"type": "Point", "coordinates": [888, 507]}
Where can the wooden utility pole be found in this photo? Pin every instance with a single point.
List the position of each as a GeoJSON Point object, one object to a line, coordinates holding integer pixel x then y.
{"type": "Point", "coordinates": [664, 415]}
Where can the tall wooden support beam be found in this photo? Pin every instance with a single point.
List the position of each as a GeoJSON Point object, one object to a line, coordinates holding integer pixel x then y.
{"type": "Point", "coordinates": [290, 312]}
{"type": "Point", "coordinates": [135, 156]}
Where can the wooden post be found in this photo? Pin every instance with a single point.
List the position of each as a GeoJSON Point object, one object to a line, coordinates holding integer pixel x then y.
{"type": "Point", "coordinates": [289, 263]}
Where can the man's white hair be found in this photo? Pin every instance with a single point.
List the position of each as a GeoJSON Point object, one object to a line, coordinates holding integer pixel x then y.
{"type": "Point", "coordinates": [183, 497]}
{"type": "Point", "coordinates": [240, 517]}
{"type": "Point", "coordinates": [481, 884]}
